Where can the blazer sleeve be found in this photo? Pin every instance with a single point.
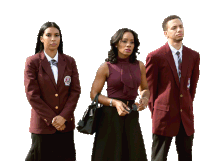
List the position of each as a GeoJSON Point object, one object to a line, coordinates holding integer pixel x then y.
{"type": "Point", "coordinates": [152, 80]}
{"type": "Point", "coordinates": [74, 94]}
{"type": "Point", "coordinates": [194, 78]}
{"type": "Point", "coordinates": [33, 92]}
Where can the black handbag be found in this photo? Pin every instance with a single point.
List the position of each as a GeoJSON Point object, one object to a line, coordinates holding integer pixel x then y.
{"type": "Point", "coordinates": [89, 122]}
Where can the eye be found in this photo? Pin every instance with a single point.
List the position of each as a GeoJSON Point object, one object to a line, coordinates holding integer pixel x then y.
{"type": "Point", "coordinates": [173, 28]}
{"type": "Point", "coordinates": [48, 35]}
{"type": "Point", "coordinates": [132, 42]}
{"type": "Point", "coordinates": [57, 35]}
{"type": "Point", "coordinates": [124, 41]}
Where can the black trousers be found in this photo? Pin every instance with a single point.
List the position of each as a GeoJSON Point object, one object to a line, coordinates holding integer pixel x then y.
{"type": "Point", "coordinates": [161, 145]}
{"type": "Point", "coordinates": [52, 147]}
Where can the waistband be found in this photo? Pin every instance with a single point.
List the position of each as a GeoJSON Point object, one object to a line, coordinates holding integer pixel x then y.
{"type": "Point", "coordinates": [129, 103]}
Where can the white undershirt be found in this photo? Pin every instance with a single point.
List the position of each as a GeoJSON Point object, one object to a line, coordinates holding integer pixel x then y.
{"type": "Point", "coordinates": [175, 56]}
{"type": "Point", "coordinates": [53, 67]}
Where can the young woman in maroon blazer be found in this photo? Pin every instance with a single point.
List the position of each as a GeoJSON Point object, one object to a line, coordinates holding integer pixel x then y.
{"type": "Point", "coordinates": [52, 88]}
{"type": "Point", "coordinates": [119, 137]}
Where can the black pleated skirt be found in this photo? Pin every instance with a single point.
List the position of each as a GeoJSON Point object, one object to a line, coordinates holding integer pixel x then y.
{"type": "Point", "coordinates": [118, 138]}
{"type": "Point", "coordinates": [52, 147]}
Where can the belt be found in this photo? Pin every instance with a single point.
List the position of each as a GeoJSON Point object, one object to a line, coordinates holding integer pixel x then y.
{"type": "Point", "coordinates": [129, 103]}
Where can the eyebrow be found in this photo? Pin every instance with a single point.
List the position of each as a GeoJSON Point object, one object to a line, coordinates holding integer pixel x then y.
{"type": "Point", "coordinates": [52, 33]}
{"type": "Point", "coordinates": [127, 39]}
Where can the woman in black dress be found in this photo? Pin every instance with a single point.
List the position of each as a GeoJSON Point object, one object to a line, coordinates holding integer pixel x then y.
{"type": "Point", "coordinates": [118, 137]}
{"type": "Point", "coordinates": [52, 88]}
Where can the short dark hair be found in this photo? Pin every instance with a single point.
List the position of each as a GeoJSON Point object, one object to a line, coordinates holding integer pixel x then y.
{"type": "Point", "coordinates": [39, 45]}
{"type": "Point", "coordinates": [113, 53]}
{"type": "Point", "coordinates": [166, 20]}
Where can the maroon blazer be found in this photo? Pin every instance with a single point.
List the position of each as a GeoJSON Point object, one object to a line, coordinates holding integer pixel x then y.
{"type": "Point", "coordinates": [170, 100]}
{"type": "Point", "coordinates": [47, 98]}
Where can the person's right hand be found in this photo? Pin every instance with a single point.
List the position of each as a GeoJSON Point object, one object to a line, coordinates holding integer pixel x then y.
{"type": "Point", "coordinates": [121, 107]}
{"type": "Point", "coordinates": [61, 128]}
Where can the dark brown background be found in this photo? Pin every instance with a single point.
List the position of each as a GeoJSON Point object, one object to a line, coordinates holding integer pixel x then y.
{"type": "Point", "coordinates": [87, 27]}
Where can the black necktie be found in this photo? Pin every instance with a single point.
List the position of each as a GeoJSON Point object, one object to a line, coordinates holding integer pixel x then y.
{"type": "Point", "coordinates": [179, 64]}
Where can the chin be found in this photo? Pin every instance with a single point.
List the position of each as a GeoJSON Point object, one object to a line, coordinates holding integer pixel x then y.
{"type": "Point", "coordinates": [179, 40]}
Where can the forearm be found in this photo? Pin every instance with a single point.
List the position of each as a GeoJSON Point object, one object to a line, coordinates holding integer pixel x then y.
{"type": "Point", "coordinates": [145, 93]}
{"type": "Point", "coordinates": [104, 100]}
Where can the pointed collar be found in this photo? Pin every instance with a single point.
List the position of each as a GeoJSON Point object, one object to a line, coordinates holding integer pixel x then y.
{"type": "Point", "coordinates": [49, 58]}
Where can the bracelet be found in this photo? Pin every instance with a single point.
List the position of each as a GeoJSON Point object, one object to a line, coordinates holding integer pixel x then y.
{"type": "Point", "coordinates": [111, 102]}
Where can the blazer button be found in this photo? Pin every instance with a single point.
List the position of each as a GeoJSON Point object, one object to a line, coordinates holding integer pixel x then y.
{"type": "Point", "coordinates": [181, 110]}
{"type": "Point", "coordinates": [71, 119]}
{"type": "Point", "coordinates": [56, 107]}
{"type": "Point", "coordinates": [181, 95]}
{"type": "Point", "coordinates": [45, 120]}
{"type": "Point", "coordinates": [56, 95]}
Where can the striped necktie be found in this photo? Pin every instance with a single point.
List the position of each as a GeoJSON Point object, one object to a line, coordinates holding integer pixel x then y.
{"type": "Point", "coordinates": [54, 62]}
{"type": "Point", "coordinates": [55, 71]}
{"type": "Point", "coordinates": [179, 64]}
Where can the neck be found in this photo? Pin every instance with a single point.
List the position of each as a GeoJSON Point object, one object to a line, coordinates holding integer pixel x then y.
{"type": "Point", "coordinates": [176, 45]}
{"type": "Point", "coordinates": [122, 56]}
{"type": "Point", "coordinates": [51, 53]}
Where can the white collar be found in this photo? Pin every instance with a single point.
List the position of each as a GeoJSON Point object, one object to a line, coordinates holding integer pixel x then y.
{"type": "Point", "coordinates": [175, 50]}
{"type": "Point", "coordinates": [49, 58]}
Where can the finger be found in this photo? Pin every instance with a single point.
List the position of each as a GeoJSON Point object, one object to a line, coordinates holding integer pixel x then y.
{"type": "Point", "coordinates": [127, 108]}
{"type": "Point", "coordinates": [55, 124]}
{"type": "Point", "coordinates": [124, 108]}
{"type": "Point", "coordinates": [140, 108]}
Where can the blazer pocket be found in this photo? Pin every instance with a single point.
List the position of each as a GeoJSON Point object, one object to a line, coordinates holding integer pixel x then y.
{"type": "Point", "coordinates": [161, 114]}
{"type": "Point", "coordinates": [161, 107]}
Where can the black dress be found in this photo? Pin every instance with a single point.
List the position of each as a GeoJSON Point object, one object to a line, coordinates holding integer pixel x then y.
{"type": "Point", "coordinates": [119, 138]}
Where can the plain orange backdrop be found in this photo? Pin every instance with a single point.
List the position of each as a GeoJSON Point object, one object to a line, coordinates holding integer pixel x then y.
{"type": "Point", "coordinates": [87, 27]}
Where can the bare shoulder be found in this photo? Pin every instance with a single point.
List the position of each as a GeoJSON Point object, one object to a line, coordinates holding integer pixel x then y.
{"type": "Point", "coordinates": [142, 66]}
{"type": "Point", "coordinates": [103, 69]}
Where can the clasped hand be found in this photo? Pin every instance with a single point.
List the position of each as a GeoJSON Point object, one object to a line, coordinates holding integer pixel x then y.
{"type": "Point", "coordinates": [59, 123]}
{"type": "Point", "coordinates": [122, 107]}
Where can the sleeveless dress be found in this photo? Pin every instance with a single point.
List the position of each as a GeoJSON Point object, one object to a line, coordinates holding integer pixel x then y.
{"type": "Point", "coordinates": [119, 138]}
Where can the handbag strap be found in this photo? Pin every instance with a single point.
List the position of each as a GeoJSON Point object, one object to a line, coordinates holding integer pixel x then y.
{"type": "Point", "coordinates": [96, 99]}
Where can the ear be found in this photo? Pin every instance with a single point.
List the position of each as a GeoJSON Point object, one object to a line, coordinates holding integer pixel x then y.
{"type": "Point", "coordinates": [166, 34]}
{"type": "Point", "coordinates": [41, 39]}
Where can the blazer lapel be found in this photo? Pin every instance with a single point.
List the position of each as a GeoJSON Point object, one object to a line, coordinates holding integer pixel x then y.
{"type": "Point", "coordinates": [46, 66]}
{"type": "Point", "coordinates": [185, 63]}
{"type": "Point", "coordinates": [169, 57]}
{"type": "Point", "coordinates": [61, 68]}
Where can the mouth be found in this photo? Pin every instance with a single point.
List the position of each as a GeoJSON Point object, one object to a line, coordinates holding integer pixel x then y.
{"type": "Point", "coordinates": [180, 34]}
{"type": "Point", "coordinates": [53, 44]}
{"type": "Point", "coordinates": [128, 50]}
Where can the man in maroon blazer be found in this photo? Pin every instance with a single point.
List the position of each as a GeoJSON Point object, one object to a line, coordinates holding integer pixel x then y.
{"type": "Point", "coordinates": [172, 75]}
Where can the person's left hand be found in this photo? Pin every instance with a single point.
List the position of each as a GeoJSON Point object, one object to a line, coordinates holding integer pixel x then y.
{"type": "Point", "coordinates": [143, 104]}
{"type": "Point", "coordinates": [58, 121]}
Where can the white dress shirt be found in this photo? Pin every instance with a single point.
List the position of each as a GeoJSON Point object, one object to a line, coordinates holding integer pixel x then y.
{"type": "Point", "coordinates": [53, 67]}
{"type": "Point", "coordinates": [175, 56]}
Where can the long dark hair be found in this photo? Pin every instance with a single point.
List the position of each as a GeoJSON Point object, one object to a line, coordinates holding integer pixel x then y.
{"type": "Point", "coordinates": [113, 53]}
{"type": "Point", "coordinates": [39, 45]}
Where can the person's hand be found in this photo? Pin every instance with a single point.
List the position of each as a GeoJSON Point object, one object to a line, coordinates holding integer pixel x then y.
{"type": "Point", "coordinates": [121, 107]}
{"type": "Point", "coordinates": [58, 122]}
{"type": "Point", "coordinates": [143, 103]}
{"type": "Point", "coordinates": [62, 128]}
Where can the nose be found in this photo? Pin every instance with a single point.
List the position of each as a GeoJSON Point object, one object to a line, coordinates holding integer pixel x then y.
{"type": "Point", "coordinates": [128, 44]}
{"type": "Point", "coordinates": [180, 29]}
{"type": "Point", "coordinates": [53, 38]}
